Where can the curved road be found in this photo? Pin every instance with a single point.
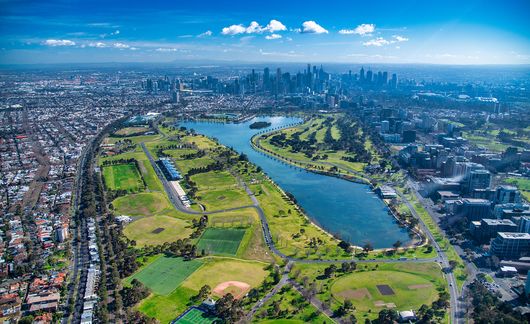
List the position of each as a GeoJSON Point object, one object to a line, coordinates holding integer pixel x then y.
{"type": "Point", "coordinates": [455, 314]}
{"type": "Point", "coordinates": [173, 197]}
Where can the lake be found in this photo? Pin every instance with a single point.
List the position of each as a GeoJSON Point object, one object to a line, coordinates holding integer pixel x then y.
{"type": "Point", "coordinates": [345, 209]}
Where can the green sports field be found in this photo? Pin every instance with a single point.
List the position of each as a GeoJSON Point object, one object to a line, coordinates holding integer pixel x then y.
{"type": "Point", "coordinates": [165, 274]}
{"type": "Point", "coordinates": [123, 177]}
{"type": "Point", "coordinates": [195, 316]}
{"type": "Point", "coordinates": [221, 240]}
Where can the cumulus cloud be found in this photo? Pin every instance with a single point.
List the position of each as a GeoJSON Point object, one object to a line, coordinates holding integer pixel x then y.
{"type": "Point", "coordinates": [273, 36]}
{"type": "Point", "coordinates": [120, 45]}
{"type": "Point", "coordinates": [363, 30]}
{"type": "Point", "coordinates": [311, 27]}
{"type": "Point", "coordinates": [59, 42]}
{"type": "Point", "coordinates": [399, 38]}
{"type": "Point", "coordinates": [275, 26]}
{"type": "Point", "coordinates": [254, 28]}
{"type": "Point", "coordinates": [233, 30]}
{"type": "Point", "coordinates": [97, 44]}
{"type": "Point", "coordinates": [205, 34]}
{"type": "Point", "coordinates": [379, 41]}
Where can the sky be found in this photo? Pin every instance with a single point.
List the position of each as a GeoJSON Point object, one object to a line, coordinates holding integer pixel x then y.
{"type": "Point", "coordinates": [432, 32]}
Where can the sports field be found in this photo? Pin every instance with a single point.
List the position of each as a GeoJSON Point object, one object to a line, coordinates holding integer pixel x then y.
{"type": "Point", "coordinates": [157, 230]}
{"type": "Point", "coordinates": [214, 180]}
{"type": "Point", "coordinates": [123, 177]}
{"type": "Point", "coordinates": [222, 199]}
{"type": "Point", "coordinates": [215, 271]}
{"type": "Point", "coordinates": [142, 204]}
{"type": "Point", "coordinates": [387, 289]}
{"type": "Point", "coordinates": [195, 316]}
{"type": "Point", "coordinates": [128, 131]}
{"type": "Point", "coordinates": [221, 240]}
{"type": "Point", "coordinates": [165, 274]}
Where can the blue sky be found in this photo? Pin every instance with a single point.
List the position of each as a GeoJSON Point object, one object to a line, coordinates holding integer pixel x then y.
{"type": "Point", "coordinates": [439, 32]}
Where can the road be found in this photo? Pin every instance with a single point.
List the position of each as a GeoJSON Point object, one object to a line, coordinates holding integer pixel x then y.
{"type": "Point", "coordinates": [79, 247]}
{"type": "Point", "coordinates": [173, 197]}
{"type": "Point", "coordinates": [456, 314]}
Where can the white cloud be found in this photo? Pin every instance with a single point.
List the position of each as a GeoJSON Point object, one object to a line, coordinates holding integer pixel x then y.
{"type": "Point", "coordinates": [205, 34]}
{"type": "Point", "coordinates": [311, 27]}
{"type": "Point", "coordinates": [233, 30]}
{"type": "Point", "coordinates": [363, 30]}
{"type": "Point", "coordinates": [97, 44]}
{"type": "Point", "coordinates": [275, 26]}
{"type": "Point", "coordinates": [399, 38]}
{"type": "Point", "coordinates": [379, 41]}
{"type": "Point", "coordinates": [162, 49]}
{"type": "Point", "coordinates": [120, 45]}
{"type": "Point", "coordinates": [273, 36]}
{"type": "Point", "coordinates": [117, 32]}
{"type": "Point", "coordinates": [59, 42]}
{"type": "Point", "coordinates": [254, 28]}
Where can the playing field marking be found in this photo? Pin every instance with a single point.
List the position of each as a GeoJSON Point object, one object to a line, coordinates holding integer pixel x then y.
{"type": "Point", "coordinates": [385, 290]}
{"type": "Point", "coordinates": [241, 288]}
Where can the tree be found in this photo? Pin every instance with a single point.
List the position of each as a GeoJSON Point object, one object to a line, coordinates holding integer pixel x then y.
{"type": "Point", "coordinates": [253, 294]}
{"type": "Point", "coordinates": [387, 316]}
{"type": "Point", "coordinates": [329, 271]}
{"type": "Point", "coordinates": [368, 247]}
{"type": "Point", "coordinates": [397, 244]}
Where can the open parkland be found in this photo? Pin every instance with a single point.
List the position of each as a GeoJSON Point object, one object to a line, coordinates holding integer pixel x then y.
{"type": "Point", "coordinates": [232, 255]}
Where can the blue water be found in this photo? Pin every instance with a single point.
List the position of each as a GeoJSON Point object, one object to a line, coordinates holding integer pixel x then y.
{"type": "Point", "coordinates": [346, 209]}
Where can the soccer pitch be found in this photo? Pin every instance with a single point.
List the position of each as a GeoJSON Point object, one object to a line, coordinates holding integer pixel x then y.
{"type": "Point", "coordinates": [166, 273]}
{"type": "Point", "coordinates": [221, 240]}
{"type": "Point", "coordinates": [123, 177]}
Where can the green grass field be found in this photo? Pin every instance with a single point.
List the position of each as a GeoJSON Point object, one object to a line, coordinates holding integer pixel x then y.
{"type": "Point", "coordinates": [147, 171]}
{"type": "Point", "coordinates": [127, 131]}
{"type": "Point", "coordinates": [142, 204]}
{"type": "Point", "coordinates": [123, 177]}
{"type": "Point", "coordinates": [222, 199]}
{"type": "Point", "coordinates": [157, 230]}
{"type": "Point", "coordinates": [361, 289]}
{"type": "Point", "coordinates": [214, 180]}
{"type": "Point", "coordinates": [165, 274]}
{"type": "Point", "coordinates": [165, 308]}
{"type": "Point", "coordinates": [221, 240]}
{"type": "Point", "coordinates": [413, 284]}
{"type": "Point", "coordinates": [196, 316]}
{"type": "Point", "coordinates": [218, 270]}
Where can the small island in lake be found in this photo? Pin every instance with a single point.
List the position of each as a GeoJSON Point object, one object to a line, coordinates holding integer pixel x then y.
{"type": "Point", "coordinates": [260, 124]}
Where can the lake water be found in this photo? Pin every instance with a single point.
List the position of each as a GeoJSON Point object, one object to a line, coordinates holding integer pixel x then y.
{"type": "Point", "coordinates": [346, 209]}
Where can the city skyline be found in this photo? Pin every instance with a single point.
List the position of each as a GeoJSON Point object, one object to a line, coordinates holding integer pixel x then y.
{"type": "Point", "coordinates": [477, 32]}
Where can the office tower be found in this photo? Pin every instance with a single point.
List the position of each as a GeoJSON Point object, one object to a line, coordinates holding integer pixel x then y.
{"type": "Point", "coordinates": [369, 76]}
{"type": "Point", "coordinates": [362, 75]}
{"type": "Point", "coordinates": [479, 179]}
{"type": "Point", "coordinates": [394, 81]}
{"type": "Point", "coordinates": [385, 78]}
{"type": "Point", "coordinates": [266, 79]}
